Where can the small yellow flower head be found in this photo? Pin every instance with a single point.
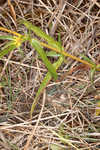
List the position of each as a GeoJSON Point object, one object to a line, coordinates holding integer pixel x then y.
{"type": "Point", "coordinates": [17, 41]}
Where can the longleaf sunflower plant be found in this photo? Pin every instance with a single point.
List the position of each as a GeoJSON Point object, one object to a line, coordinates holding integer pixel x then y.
{"type": "Point", "coordinates": [16, 40]}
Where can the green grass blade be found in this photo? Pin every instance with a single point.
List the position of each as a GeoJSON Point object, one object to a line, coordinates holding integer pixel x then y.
{"type": "Point", "coordinates": [43, 56]}
{"type": "Point", "coordinates": [7, 50]}
{"type": "Point", "coordinates": [6, 37]}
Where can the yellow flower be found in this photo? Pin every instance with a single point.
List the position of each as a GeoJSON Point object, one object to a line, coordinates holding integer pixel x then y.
{"type": "Point", "coordinates": [17, 41]}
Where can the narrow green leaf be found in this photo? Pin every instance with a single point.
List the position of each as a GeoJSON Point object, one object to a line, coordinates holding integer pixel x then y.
{"type": "Point", "coordinates": [44, 83]}
{"type": "Point", "coordinates": [7, 45]}
{"type": "Point", "coordinates": [43, 56]}
{"type": "Point", "coordinates": [7, 50]}
{"type": "Point", "coordinates": [47, 79]}
{"type": "Point", "coordinates": [52, 54]}
{"type": "Point", "coordinates": [40, 90]}
{"type": "Point", "coordinates": [92, 73]}
{"type": "Point", "coordinates": [37, 31]}
{"type": "Point", "coordinates": [6, 37]}
{"type": "Point", "coordinates": [41, 34]}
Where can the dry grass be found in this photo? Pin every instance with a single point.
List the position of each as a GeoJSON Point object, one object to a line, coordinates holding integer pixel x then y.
{"type": "Point", "coordinates": [68, 106]}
